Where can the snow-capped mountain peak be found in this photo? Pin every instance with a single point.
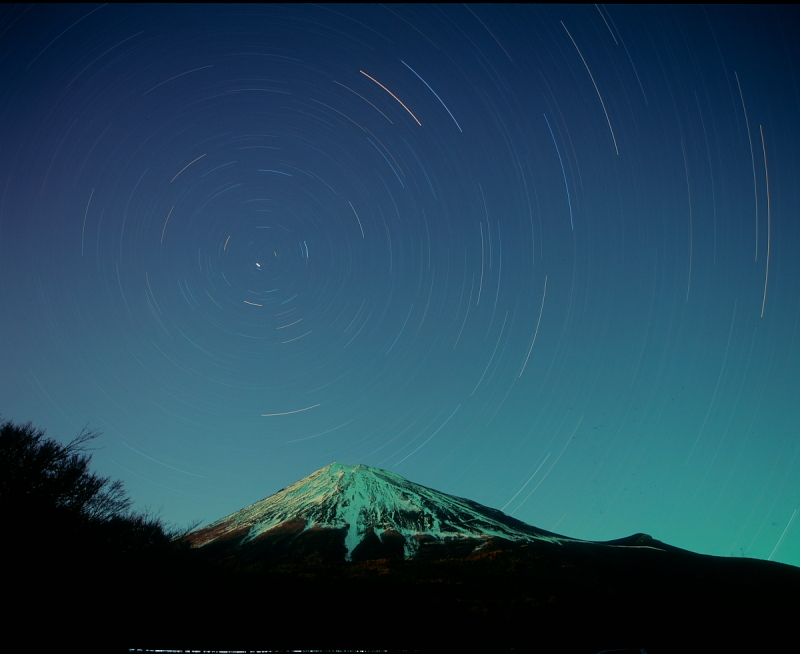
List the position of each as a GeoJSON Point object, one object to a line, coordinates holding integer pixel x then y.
{"type": "Point", "coordinates": [363, 502]}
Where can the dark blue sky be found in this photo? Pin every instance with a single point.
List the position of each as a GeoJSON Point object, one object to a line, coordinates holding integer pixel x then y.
{"type": "Point", "coordinates": [542, 257]}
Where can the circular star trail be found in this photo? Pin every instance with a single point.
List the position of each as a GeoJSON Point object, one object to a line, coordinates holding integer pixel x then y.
{"type": "Point", "coordinates": [540, 257]}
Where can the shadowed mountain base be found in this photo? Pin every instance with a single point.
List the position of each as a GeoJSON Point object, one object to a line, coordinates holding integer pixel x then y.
{"type": "Point", "coordinates": [358, 557]}
{"type": "Point", "coordinates": [551, 597]}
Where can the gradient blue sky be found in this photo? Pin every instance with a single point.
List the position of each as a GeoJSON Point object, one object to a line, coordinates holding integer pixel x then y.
{"type": "Point", "coordinates": [544, 257]}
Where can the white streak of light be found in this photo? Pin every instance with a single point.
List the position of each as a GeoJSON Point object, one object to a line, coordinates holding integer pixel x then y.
{"type": "Point", "coordinates": [393, 95]}
{"type": "Point", "coordinates": [185, 167]}
{"type": "Point", "coordinates": [434, 92]}
{"type": "Point", "coordinates": [526, 483]}
{"type": "Point", "coordinates": [550, 468]}
{"type": "Point", "coordinates": [530, 349]}
{"type": "Point", "coordinates": [691, 241]}
{"type": "Point", "coordinates": [357, 218]}
{"type": "Point", "coordinates": [769, 558]}
{"type": "Point", "coordinates": [83, 232]}
{"type": "Point", "coordinates": [613, 138]}
{"type": "Point", "coordinates": [769, 220]}
{"type": "Point", "coordinates": [286, 413]}
{"type": "Point", "coordinates": [167, 220]}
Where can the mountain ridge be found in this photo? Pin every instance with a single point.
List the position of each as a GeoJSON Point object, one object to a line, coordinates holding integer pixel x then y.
{"type": "Point", "coordinates": [370, 513]}
{"type": "Point", "coordinates": [351, 550]}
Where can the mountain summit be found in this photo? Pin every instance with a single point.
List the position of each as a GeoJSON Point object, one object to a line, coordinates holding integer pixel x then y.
{"type": "Point", "coordinates": [485, 581]}
{"type": "Point", "coordinates": [358, 512]}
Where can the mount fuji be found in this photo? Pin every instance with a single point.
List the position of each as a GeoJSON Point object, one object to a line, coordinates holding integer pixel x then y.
{"type": "Point", "coordinates": [353, 556]}
{"type": "Point", "coordinates": [357, 513]}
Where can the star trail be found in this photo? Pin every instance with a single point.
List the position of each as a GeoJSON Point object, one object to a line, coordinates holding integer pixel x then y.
{"type": "Point", "coordinates": [543, 257]}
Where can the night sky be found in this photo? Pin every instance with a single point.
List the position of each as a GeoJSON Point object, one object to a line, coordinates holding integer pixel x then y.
{"type": "Point", "coordinates": [546, 258]}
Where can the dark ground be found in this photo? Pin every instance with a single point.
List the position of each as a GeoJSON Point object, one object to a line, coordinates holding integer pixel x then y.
{"type": "Point", "coordinates": [542, 597]}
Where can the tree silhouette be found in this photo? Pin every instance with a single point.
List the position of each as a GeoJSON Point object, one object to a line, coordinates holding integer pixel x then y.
{"type": "Point", "coordinates": [39, 476]}
{"type": "Point", "coordinates": [79, 554]}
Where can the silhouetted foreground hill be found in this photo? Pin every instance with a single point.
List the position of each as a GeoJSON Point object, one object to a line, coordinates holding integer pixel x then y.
{"type": "Point", "coordinates": [541, 597]}
{"type": "Point", "coordinates": [544, 597]}
{"type": "Point", "coordinates": [77, 561]}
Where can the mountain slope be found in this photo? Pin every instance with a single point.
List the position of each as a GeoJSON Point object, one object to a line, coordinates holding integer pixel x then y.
{"type": "Point", "coordinates": [433, 572]}
{"type": "Point", "coordinates": [371, 513]}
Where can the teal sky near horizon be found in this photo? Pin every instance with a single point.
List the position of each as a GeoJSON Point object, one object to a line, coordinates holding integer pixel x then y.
{"type": "Point", "coordinates": [543, 257]}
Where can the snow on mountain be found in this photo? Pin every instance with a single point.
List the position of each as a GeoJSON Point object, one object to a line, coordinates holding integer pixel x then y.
{"type": "Point", "coordinates": [363, 502]}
